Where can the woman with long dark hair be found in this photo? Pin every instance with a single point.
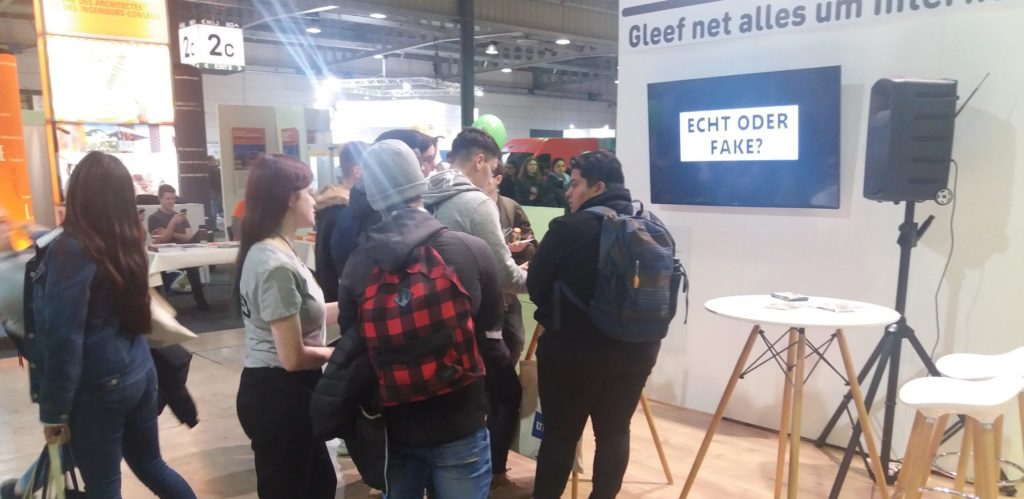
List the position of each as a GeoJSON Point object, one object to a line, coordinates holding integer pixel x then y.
{"type": "Point", "coordinates": [529, 182]}
{"type": "Point", "coordinates": [91, 370]}
{"type": "Point", "coordinates": [285, 321]}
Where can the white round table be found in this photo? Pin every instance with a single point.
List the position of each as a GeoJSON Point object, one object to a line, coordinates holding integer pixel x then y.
{"type": "Point", "coordinates": [816, 312]}
{"type": "Point", "coordinates": [757, 309]}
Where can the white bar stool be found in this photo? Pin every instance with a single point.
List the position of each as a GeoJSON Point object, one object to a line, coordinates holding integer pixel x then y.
{"type": "Point", "coordinates": [972, 366]}
{"type": "Point", "coordinates": [983, 402]}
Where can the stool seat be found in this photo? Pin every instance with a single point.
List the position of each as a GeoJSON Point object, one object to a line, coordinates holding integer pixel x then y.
{"type": "Point", "coordinates": [983, 400]}
{"type": "Point", "coordinates": [976, 366]}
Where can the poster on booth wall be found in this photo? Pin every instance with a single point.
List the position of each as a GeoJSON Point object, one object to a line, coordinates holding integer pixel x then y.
{"type": "Point", "coordinates": [248, 144]}
{"type": "Point", "coordinates": [146, 150]}
{"type": "Point", "coordinates": [15, 192]}
{"type": "Point", "coordinates": [290, 142]}
{"type": "Point", "coordinates": [103, 81]}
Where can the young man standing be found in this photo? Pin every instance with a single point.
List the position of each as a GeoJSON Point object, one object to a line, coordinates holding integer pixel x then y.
{"type": "Point", "coordinates": [168, 226]}
{"type": "Point", "coordinates": [331, 202]}
{"type": "Point", "coordinates": [458, 199]}
{"type": "Point", "coordinates": [395, 294]}
{"type": "Point", "coordinates": [582, 372]}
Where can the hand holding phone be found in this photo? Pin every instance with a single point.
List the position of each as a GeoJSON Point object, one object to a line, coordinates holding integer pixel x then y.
{"type": "Point", "coordinates": [520, 245]}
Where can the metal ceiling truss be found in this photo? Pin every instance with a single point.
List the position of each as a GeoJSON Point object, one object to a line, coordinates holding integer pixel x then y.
{"type": "Point", "coordinates": [397, 87]}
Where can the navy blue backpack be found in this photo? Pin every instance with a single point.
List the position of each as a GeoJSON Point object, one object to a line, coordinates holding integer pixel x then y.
{"type": "Point", "coordinates": [639, 278]}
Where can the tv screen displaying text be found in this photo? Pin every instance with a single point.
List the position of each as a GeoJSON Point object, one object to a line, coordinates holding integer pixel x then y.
{"type": "Point", "coordinates": [763, 140]}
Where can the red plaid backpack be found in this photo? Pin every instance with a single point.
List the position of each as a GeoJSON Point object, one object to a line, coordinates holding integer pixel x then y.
{"type": "Point", "coordinates": [418, 327]}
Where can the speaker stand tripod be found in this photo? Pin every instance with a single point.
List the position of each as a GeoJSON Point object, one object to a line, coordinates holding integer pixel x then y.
{"type": "Point", "coordinates": [885, 356]}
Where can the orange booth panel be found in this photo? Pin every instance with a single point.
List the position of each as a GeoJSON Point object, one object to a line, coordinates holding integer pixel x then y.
{"type": "Point", "coordinates": [15, 194]}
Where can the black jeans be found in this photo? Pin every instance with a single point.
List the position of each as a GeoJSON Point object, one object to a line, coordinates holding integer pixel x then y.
{"type": "Point", "coordinates": [273, 408]}
{"type": "Point", "coordinates": [504, 393]}
{"type": "Point", "coordinates": [603, 384]}
{"type": "Point", "coordinates": [194, 281]}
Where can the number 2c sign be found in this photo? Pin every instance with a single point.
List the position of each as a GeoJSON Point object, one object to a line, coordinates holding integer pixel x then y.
{"type": "Point", "coordinates": [210, 46]}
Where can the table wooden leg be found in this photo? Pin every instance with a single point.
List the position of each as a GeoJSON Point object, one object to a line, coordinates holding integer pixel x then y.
{"type": "Point", "coordinates": [657, 439]}
{"type": "Point", "coordinates": [862, 414]}
{"type": "Point", "coordinates": [787, 406]}
{"type": "Point", "coordinates": [798, 405]}
{"type": "Point", "coordinates": [720, 411]}
{"type": "Point", "coordinates": [575, 484]}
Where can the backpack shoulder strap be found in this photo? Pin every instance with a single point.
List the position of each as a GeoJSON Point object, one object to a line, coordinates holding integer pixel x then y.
{"type": "Point", "coordinates": [602, 211]}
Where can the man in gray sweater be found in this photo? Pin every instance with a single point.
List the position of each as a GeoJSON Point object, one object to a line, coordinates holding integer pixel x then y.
{"type": "Point", "coordinates": [457, 199]}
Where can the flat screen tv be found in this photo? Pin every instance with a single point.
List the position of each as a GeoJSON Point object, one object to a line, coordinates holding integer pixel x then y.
{"type": "Point", "coordinates": [761, 140]}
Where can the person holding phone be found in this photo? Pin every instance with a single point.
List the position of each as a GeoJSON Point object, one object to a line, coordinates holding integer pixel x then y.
{"type": "Point", "coordinates": [168, 226]}
{"type": "Point", "coordinates": [506, 393]}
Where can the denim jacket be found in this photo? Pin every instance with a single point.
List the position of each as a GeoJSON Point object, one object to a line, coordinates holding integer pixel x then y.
{"type": "Point", "coordinates": [77, 346]}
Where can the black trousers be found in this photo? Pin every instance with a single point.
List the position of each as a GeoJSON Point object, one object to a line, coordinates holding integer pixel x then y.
{"type": "Point", "coordinates": [604, 385]}
{"type": "Point", "coordinates": [273, 408]}
{"type": "Point", "coordinates": [504, 392]}
{"type": "Point", "coordinates": [194, 280]}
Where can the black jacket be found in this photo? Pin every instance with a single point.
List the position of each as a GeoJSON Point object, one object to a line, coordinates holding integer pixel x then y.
{"type": "Point", "coordinates": [326, 273]}
{"type": "Point", "coordinates": [349, 226]}
{"type": "Point", "coordinates": [552, 191]}
{"type": "Point", "coordinates": [455, 415]}
{"type": "Point", "coordinates": [348, 382]}
{"type": "Point", "coordinates": [345, 405]}
{"type": "Point", "coordinates": [569, 252]}
{"type": "Point", "coordinates": [172, 365]}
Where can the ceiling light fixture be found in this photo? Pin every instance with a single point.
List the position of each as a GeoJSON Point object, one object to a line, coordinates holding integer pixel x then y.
{"type": "Point", "coordinates": [378, 56]}
{"type": "Point", "coordinates": [492, 49]}
{"type": "Point", "coordinates": [563, 41]}
{"type": "Point", "coordinates": [378, 15]}
{"type": "Point", "coordinates": [506, 70]}
{"type": "Point", "coordinates": [314, 30]}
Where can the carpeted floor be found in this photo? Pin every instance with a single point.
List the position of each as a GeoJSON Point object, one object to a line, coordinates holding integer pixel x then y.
{"type": "Point", "coordinates": [223, 313]}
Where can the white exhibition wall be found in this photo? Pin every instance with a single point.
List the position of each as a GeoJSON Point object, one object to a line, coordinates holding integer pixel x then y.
{"type": "Point", "coordinates": [850, 252]}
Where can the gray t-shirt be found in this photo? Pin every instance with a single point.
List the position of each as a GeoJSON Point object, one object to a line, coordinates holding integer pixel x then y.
{"type": "Point", "coordinates": [276, 284]}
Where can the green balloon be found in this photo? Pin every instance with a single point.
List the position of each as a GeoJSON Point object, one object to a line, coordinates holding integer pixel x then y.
{"type": "Point", "coordinates": [492, 125]}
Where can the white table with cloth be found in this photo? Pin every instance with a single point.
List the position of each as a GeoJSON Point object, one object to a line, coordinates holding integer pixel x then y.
{"type": "Point", "coordinates": [183, 256]}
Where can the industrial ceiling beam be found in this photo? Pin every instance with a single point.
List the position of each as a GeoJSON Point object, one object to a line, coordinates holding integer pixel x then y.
{"type": "Point", "coordinates": [568, 19]}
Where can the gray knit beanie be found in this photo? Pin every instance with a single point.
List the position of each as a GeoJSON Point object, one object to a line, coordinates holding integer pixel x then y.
{"type": "Point", "coordinates": [391, 175]}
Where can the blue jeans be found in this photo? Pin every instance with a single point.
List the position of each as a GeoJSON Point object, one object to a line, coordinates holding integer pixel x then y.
{"type": "Point", "coordinates": [119, 420]}
{"type": "Point", "coordinates": [456, 470]}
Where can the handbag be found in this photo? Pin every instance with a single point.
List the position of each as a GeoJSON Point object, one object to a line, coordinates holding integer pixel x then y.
{"type": "Point", "coordinates": [12, 287]}
{"type": "Point", "coordinates": [48, 475]}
